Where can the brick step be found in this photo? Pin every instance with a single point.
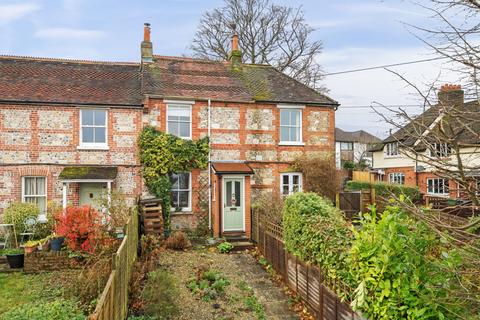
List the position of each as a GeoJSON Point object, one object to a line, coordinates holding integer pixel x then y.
{"type": "Point", "coordinates": [242, 245]}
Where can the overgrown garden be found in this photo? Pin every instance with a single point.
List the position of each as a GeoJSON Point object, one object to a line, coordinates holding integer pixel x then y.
{"type": "Point", "coordinates": [391, 265]}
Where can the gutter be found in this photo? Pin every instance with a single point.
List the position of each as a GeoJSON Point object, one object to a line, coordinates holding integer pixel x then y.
{"type": "Point", "coordinates": [70, 104]}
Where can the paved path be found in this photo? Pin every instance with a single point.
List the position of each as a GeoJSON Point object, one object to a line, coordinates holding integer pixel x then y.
{"type": "Point", "coordinates": [239, 268]}
{"type": "Point", "coordinates": [271, 296]}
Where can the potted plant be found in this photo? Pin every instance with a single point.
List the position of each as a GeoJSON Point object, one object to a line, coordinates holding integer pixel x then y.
{"type": "Point", "coordinates": [31, 246]}
{"type": "Point", "coordinates": [56, 242]}
{"type": "Point", "coordinates": [15, 257]}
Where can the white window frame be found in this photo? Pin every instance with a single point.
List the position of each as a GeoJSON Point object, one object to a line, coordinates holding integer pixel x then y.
{"type": "Point", "coordinates": [36, 196]}
{"type": "Point", "coordinates": [291, 108]}
{"type": "Point", "coordinates": [290, 182]}
{"type": "Point", "coordinates": [445, 191]}
{"type": "Point", "coordinates": [440, 150]}
{"type": "Point", "coordinates": [389, 147]}
{"type": "Point", "coordinates": [346, 143]}
{"type": "Point", "coordinates": [93, 145]}
{"type": "Point", "coordinates": [180, 105]}
{"type": "Point", "coordinates": [396, 177]}
{"type": "Point", "coordinates": [189, 208]}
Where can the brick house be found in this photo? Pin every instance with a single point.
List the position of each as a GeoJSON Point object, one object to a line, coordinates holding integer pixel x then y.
{"type": "Point", "coordinates": [69, 128]}
{"type": "Point", "coordinates": [393, 163]}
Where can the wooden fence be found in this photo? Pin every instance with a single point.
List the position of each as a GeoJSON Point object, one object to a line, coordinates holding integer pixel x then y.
{"type": "Point", "coordinates": [113, 303]}
{"type": "Point", "coordinates": [306, 280]}
{"type": "Point", "coordinates": [363, 176]}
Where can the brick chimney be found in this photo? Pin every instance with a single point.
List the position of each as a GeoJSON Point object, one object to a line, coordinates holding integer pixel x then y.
{"type": "Point", "coordinates": [451, 95]}
{"type": "Point", "coordinates": [146, 46]}
{"type": "Point", "coordinates": [236, 54]}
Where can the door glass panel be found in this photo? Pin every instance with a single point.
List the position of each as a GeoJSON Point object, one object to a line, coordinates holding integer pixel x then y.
{"type": "Point", "coordinates": [237, 194]}
{"type": "Point", "coordinates": [229, 193]}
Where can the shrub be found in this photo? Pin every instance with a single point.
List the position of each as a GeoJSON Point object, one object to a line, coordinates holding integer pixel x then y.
{"type": "Point", "coordinates": [393, 263]}
{"type": "Point", "coordinates": [159, 295]}
{"type": "Point", "coordinates": [118, 209]}
{"type": "Point", "coordinates": [270, 206]}
{"type": "Point", "coordinates": [81, 227]}
{"type": "Point", "coordinates": [319, 175]}
{"type": "Point", "coordinates": [317, 232]}
{"type": "Point", "coordinates": [45, 229]}
{"type": "Point", "coordinates": [17, 212]}
{"type": "Point", "coordinates": [385, 190]}
{"type": "Point", "coordinates": [178, 241]}
{"type": "Point", "coordinates": [225, 247]}
{"type": "Point", "coordinates": [58, 310]}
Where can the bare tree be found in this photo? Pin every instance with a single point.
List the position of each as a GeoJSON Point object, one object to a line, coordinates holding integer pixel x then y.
{"type": "Point", "coordinates": [268, 34]}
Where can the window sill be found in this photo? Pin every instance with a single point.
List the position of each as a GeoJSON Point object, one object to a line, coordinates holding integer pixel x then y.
{"type": "Point", "coordinates": [287, 143]}
{"type": "Point", "coordinates": [182, 213]}
{"type": "Point", "coordinates": [392, 157]}
{"type": "Point", "coordinates": [439, 195]}
{"type": "Point", "coordinates": [92, 147]}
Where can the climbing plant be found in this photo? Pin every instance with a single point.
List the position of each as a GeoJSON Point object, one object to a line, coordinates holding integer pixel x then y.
{"type": "Point", "coordinates": [163, 154]}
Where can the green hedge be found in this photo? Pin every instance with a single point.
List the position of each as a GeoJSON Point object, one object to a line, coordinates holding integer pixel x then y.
{"type": "Point", "coordinates": [383, 189]}
{"type": "Point", "coordinates": [316, 232]}
{"type": "Point", "coordinates": [393, 266]}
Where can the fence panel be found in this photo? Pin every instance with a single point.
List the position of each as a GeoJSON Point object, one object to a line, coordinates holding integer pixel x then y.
{"type": "Point", "coordinates": [113, 302]}
{"type": "Point", "coordinates": [307, 280]}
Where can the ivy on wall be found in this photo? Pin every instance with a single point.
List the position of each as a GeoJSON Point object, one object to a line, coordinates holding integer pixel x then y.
{"type": "Point", "coordinates": [162, 154]}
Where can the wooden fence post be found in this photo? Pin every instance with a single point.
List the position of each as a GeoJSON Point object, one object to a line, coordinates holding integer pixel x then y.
{"type": "Point", "coordinates": [337, 200]}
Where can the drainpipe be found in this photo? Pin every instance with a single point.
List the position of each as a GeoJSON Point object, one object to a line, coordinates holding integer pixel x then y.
{"type": "Point", "coordinates": [209, 173]}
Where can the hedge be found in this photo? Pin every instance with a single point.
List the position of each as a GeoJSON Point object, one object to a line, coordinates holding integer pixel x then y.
{"type": "Point", "coordinates": [383, 189]}
{"type": "Point", "coordinates": [317, 232]}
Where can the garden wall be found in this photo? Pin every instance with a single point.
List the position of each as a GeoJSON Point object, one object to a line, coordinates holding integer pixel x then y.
{"type": "Point", "coordinates": [48, 261]}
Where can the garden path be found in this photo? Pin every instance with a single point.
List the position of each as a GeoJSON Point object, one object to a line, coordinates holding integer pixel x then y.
{"type": "Point", "coordinates": [242, 270]}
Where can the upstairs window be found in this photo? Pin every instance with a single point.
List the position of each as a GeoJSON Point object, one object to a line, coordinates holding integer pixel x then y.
{"type": "Point", "coordinates": [392, 149]}
{"type": "Point", "coordinates": [291, 126]}
{"type": "Point", "coordinates": [396, 177]}
{"type": "Point", "coordinates": [93, 128]}
{"type": "Point", "coordinates": [437, 186]}
{"type": "Point", "coordinates": [346, 146]}
{"type": "Point", "coordinates": [181, 191]}
{"type": "Point", "coordinates": [290, 182]}
{"type": "Point", "coordinates": [34, 190]}
{"type": "Point", "coordinates": [440, 150]}
{"type": "Point", "coordinates": [179, 120]}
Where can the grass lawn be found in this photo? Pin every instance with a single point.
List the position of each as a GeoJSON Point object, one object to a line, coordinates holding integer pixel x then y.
{"type": "Point", "coordinates": [17, 289]}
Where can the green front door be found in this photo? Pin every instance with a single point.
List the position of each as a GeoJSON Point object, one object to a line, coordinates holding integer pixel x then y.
{"type": "Point", "coordinates": [91, 193]}
{"type": "Point", "coordinates": [233, 205]}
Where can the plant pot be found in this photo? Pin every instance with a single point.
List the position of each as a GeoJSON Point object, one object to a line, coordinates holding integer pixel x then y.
{"type": "Point", "coordinates": [56, 243]}
{"type": "Point", "coordinates": [15, 261]}
{"type": "Point", "coordinates": [30, 249]}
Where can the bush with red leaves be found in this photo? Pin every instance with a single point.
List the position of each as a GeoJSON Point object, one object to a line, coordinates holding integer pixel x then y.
{"type": "Point", "coordinates": [82, 228]}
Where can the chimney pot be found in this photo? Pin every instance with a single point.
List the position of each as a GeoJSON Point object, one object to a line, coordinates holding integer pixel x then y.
{"type": "Point", "coordinates": [235, 42]}
{"type": "Point", "coordinates": [236, 54]}
{"type": "Point", "coordinates": [146, 47]}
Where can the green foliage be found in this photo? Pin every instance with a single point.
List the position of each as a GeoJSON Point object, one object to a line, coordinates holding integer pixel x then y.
{"type": "Point", "coordinates": [17, 212]}
{"type": "Point", "coordinates": [385, 190]}
{"type": "Point", "coordinates": [349, 165]}
{"type": "Point", "coordinates": [58, 310]}
{"type": "Point", "coordinates": [225, 247]}
{"type": "Point", "coordinates": [317, 232]}
{"type": "Point", "coordinates": [208, 284]}
{"type": "Point", "coordinates": [251, 302]}
{"type": "Point", "coordinates": [162, 154]}
{"type": "Point", "coordinates": [13, 251]}
{"type": "Point", "coordinates": [159, 295]}
{"type": "Point", "coordinates": [394, 265]}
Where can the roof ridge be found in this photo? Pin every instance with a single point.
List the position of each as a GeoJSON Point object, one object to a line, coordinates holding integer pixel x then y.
{"type": "Point", "coordinates": [188, 59]}
{"type": "Point", "coordinates": [81, 61]}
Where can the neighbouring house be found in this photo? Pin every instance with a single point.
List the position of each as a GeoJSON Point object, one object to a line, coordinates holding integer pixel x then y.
{"type": "Point", "coordinates": [68, 131]}
{"type": "Point", "coordinates": [395, 162]}
{"type": "Point", "coordinates": [353, 147]}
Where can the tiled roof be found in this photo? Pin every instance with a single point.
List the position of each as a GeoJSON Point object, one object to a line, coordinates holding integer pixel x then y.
{"type": "Point", "coordinates": [26, 79]}
{"type": "Point", "coordinates": [355, 136]}
{"type": "Point", "coordinates": [232, 167]}
{"type": "Point", "coordinates": [88, 173]}
{"type": "Point", "coordinates": [193, 78]}
{"type": "Point", "coordinates": [410, 132]}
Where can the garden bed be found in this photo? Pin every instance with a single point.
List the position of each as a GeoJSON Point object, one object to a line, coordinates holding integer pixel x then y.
{"type": "Point", "coordinates": [210, 285]}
